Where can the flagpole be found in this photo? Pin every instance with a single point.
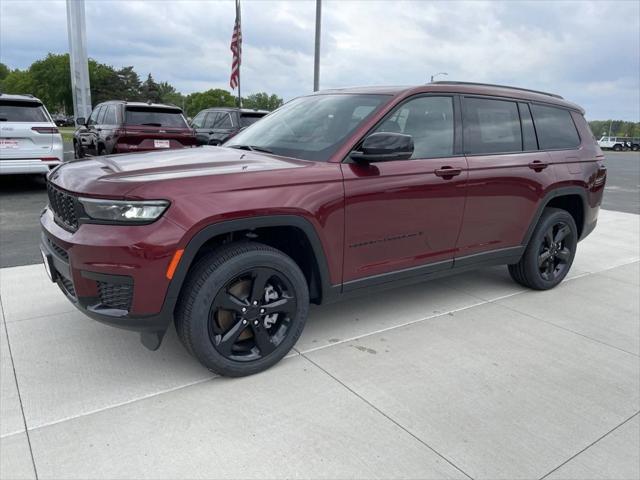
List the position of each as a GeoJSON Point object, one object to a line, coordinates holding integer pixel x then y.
{"type": "Point", "coordinates": [240, 57]}
{"type": "Point", "coordinates": [316, 59]}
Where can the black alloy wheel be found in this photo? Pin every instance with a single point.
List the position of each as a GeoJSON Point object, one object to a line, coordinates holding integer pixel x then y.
{"type": "Point", "coordinates": [555, 252]}
{"type": "Point", "coordinates": [549, 253]}
{"type": "Point", "coordinates": [252, 314]}
{"type": "Point", "coordinates": [242, 308]}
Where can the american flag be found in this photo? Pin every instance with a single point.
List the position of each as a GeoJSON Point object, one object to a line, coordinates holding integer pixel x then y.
{"type": "Point", "coordinates": [236, 49]}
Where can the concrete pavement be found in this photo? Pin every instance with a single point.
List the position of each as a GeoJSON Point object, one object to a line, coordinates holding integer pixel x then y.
{"type": "Point", "coordinates": [469, 376]}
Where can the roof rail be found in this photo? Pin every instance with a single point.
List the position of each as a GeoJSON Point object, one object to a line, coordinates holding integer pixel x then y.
{"type": "Point", "coordinates": [444, 82]}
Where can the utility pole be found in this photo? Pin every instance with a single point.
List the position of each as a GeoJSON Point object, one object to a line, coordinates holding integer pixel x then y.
{"type": "Point", "coordinates": [316, 58]}
{"type": "Point", "coordinates": [78, 61]}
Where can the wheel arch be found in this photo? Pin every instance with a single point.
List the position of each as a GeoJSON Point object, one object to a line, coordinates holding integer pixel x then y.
{"type": "Point", "coordinates": [294, 235]}
{"type": "Point", "coordinates": [570, 199]}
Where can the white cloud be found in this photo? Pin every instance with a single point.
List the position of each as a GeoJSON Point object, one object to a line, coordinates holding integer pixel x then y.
{"type": "Point", "coordinates": [586, 51]}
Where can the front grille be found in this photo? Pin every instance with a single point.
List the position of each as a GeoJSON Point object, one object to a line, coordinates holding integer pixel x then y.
{"type": "Point", "coordinates": [68, 286]}
{"type": "Point", "coordinates": [115, 295]}
{"type": "Point", "coordinates": [62, 253]}
{"type": "Point", "coordinates": [64, 207]}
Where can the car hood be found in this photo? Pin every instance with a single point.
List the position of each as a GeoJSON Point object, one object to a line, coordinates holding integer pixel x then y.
{"type": "Point", "coordinates": [116, 175]}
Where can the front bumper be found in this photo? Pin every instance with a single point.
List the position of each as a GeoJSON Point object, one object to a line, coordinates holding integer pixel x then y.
{"type": "Point", "coordinates": [114, 274]}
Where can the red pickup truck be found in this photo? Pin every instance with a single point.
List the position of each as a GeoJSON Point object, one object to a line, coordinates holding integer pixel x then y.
{"type": "Point", "coordinates": [336, 193]}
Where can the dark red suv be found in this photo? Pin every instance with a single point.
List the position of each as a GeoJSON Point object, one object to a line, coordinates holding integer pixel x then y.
{"type": "Point", "coordinates": [333, 194]}
{"type": "Point", "coordinates": [122, 127]}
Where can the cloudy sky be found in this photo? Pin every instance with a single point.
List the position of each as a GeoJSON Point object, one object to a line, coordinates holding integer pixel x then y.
{"type": "Point", "coordinates": [587, 51]}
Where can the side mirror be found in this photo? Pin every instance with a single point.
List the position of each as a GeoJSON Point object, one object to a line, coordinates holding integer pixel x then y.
{"type": "Point", "coordinates": [80, 121]}
{"type": "Point", "coordinates": [384, 147]}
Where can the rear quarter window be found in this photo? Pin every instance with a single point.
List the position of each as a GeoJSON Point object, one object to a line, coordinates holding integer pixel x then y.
{"type": "Point", "coordinates": [491, 126]}
{"type": "Point", "coordinates": [555, 127]}
{"type": "Point", "coordinates": [155, 117]}
{"type": "Point", "coordinates": [246, 120]}
{"type": "Point", "coordinates": [31, 112]}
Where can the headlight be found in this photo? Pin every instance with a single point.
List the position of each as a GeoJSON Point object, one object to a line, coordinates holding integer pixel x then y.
{"type": "Point", "coordinates": [123, 211]}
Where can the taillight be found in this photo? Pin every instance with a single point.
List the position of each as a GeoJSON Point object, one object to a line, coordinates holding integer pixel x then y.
{"type": "Point", "coordinates": [45, 129]}
{"type": "Point", "coordinates": [50, 159]}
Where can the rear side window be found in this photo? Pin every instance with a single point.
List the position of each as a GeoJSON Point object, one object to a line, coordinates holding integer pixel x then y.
{"type": "Point", "coordinates": [223, 121]}
{"type": "Point", "coordinates": [155, 117]}
{"type": "Point", "coordinates": [555, 127]}
{"type": "Point", "coordinates": [246, 120]}
{"type": "Point", "coordinates": [491, 126]}
{"type": "Point", "coordinates": [529, 141]}
{"type": "Point", "coordinates": [32, 112]}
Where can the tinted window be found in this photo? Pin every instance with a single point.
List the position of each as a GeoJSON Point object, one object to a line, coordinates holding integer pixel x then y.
{"type": "Point", "coordinates": [199, 120]}
{"type": "Point", "coordinates": [555, 127]}
{"type": "Point", "coordinates": [210, 120]}
{"type": "Point", "coordinates": [311, 128]}
{"type": "Point", "coordinates": [429, 120]}
{"type": "Point", "coordinates": [224, 121]}
{"type": "Point", "coordinates": [93, 119]}
{"type": "Point", "coordinates": [155, 117]}
{"type": "Point", "coordinates": [529, 141]}
{"type": "Point", "coordinates": [491, 126]}
{"type": "Point", "coordinates": [246, 120]}
{"type": "Point", "coordinates": [110, 115]}
{"type": "Point", "coordinates": [22, 112]}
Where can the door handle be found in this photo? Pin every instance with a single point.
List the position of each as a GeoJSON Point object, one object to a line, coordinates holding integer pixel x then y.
{"type": "Point", "coordinates": [537, 165]}
{"type": "Point", "coordinates": [448, 172]}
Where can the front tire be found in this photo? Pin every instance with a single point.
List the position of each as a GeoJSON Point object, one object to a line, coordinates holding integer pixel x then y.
{"type": "Point", "coordinates": [550, 252]}
{"type": "Point", "coordinates": [78, 151]}
{"type": "Point", "coordinates": [242, 308]}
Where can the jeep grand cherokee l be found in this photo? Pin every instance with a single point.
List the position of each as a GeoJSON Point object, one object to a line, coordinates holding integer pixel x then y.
{"type": "Point", "coordinates": [336, 193]}
{"type": "Point", "coordinates": [29, 140]}
{"type": "Point", "coordinates": [122, 127]}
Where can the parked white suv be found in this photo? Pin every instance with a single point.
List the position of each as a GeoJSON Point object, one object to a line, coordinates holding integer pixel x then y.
{"type": "Point", "coordinates": [29, 139]}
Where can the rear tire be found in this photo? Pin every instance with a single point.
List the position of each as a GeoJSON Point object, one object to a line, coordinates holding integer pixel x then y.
{"type": "Point", "coordinates": [242, 308]}
{"type": "Point", "coordinates": [550, 252]}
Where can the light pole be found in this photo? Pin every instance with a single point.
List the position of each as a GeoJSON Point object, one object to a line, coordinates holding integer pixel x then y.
{"type": "Point", "coordinates": [439, 73]}
{"type": "Point", "coordinates": [78, 62]}
{"type": "Point", "coordinates": [316, 58]}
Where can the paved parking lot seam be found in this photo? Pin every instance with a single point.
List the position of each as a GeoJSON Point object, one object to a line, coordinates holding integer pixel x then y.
{"type": "Point", "coordinates": [396, 423]}
{"type": "Point", "coordinates": [590, 445]}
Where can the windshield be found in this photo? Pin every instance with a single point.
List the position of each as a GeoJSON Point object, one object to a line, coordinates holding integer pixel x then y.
{"type": "Point", "coordinates": [155, 117]}
{"type": "Point", "coordinates": [22, 112]}
{"type": "Point", "coordinates": [310, 128]}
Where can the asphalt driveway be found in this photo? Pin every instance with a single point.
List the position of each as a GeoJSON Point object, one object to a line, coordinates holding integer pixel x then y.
{"type": "Point", "coordinates": [467, 377]}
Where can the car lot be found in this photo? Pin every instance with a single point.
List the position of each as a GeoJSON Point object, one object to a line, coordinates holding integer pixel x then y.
{"type": "Point", "coordinates": [22, 199]}
{"type": "Point", "coordinates": [470, 376]}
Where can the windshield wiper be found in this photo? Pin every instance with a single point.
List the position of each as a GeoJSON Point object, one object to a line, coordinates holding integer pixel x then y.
{"type": "Point", "coordinates": [251, 148]}
{"type": "Point", "coordinates": [152, 124]}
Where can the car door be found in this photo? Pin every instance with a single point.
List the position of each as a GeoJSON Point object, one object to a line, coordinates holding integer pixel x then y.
{"type": "Point", "coordinates": [403, 217]}
{"type": "Point", "coordinates": [508, 175]}
{"type": "Point", "coordinates": [88, 134]}
{"type": "Point", "coordinates": [107, 128]}
{"type": "Point", "coordinates": [198, 124]}
{"type": "Point", "coordinates": [223, 127]}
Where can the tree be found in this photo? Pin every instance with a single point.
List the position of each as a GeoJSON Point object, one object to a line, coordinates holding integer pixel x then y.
{"type": "Point", "coordinates": [129, 82]}
{"type": "Point", "coordinates": [211, 98]}
{"type": "Point", "coordinates": [17, 81]}
{"type": "Point", "coordinates": [150, 90]}
{"type": "Point", "coordinates": [262, 101]}
{"type": "Point", "coordinates": [4, 71]}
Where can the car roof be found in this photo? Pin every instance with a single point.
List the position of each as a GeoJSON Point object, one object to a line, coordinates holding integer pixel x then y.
{"type": "Point", "coordinates": [234, 109]}
{"type": "Point", "coordinates": [461, 88]}
{"type": "Point", "coordinates": [143, 104]}
{"type": "Point", "coordinates": [19, 98]}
